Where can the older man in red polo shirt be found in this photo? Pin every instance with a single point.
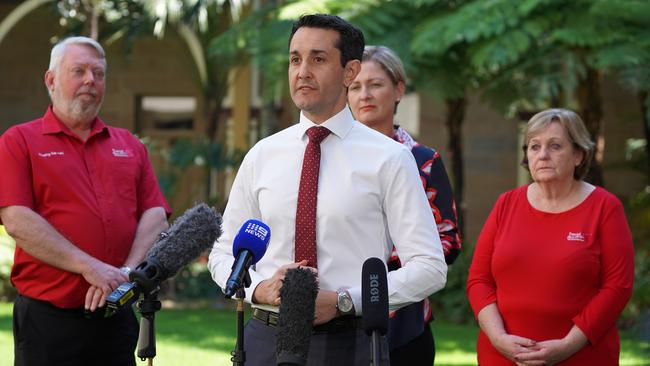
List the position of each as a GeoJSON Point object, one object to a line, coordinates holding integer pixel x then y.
{"type": "Point", "coordinates": [82, 202]}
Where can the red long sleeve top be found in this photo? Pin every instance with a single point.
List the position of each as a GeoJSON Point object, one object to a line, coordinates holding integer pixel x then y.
{"type": "Point", "coordinates": [549, 271]}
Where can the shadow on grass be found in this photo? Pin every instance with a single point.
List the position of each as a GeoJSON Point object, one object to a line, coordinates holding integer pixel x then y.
{"type": "Point", "coordinates": [215, 330]}
{"type": "Point", "coordinates": [210, 329]}
{"type": "Point", "coordinates": [6, 322]}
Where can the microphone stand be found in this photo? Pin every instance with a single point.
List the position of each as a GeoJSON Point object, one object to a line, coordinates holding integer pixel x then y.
{"type": "Point", "coordinates": [148, 307]}
{"type": "Point", "coordinates": [375, 349]}
{"type": "Point", "coordinates": [147, 276]}
{"type": "Point", "coordinates": [238, 354]}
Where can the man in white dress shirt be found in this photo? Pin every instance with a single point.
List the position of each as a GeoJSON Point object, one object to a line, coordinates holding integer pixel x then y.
{"type": "Point", "coordinates": [368, 196]}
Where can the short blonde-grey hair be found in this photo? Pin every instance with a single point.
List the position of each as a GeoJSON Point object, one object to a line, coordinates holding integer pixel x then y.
{"type": "Point", "coordinates": [575, 129]}
{"type": "Point", "coordinates": [388, 60]}
{"type": "Point", "coordinates": [59, 50]}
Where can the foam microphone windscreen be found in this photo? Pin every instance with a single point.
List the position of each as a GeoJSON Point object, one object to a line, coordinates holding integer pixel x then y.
{"type": "Point", "coordinates": [374, 296]}
{"type": "Point", "coordinates": [191, 234]}
{"type": "Point", "coordinates": [295, 323]}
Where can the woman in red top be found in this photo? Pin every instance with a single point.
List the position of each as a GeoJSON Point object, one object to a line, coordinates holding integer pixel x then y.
{"type": "Point", "coordinates": [553, 266]}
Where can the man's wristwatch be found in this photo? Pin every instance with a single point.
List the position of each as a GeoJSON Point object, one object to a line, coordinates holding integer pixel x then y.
{"type": "Point", "coordinates": [344, 304]}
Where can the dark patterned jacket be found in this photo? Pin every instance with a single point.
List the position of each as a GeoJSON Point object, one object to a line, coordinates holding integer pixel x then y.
{"type": "Point", "coordinates": [408, 322]}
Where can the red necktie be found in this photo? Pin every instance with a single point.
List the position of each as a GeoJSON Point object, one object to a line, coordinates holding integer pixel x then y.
{"type": "Point", "coordinates": [306, 209]}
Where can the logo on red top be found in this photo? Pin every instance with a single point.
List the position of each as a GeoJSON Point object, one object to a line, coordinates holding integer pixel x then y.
{"type": "Point", "coordinates": [575, 236]}
{"type": "Point", "coordinates": [122, 153]}
{"type": "Point", "coordinates": [50, 154]}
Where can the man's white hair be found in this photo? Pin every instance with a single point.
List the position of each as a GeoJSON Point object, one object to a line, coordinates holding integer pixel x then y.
{"type": "Point", "coordinates": [59, 50]}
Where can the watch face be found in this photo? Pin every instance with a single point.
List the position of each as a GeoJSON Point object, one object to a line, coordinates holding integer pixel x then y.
{"type": "Point", "coordinates": [345, 303]}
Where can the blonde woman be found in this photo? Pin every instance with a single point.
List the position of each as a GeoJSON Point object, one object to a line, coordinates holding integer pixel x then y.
{"type": "Point", "coordinates": [373, 97]}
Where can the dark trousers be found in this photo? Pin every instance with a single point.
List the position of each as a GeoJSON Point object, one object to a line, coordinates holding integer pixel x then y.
{"type": "Point", "coordinates": [346, 348]}
{"type": "Point", "coordinates": [45, 335]}
{"type": "Point", "coordinates": [420, 351]}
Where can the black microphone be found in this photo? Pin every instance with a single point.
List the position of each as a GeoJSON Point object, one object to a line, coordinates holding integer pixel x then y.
{"type": "Point", "coordinates": [374, 297]}
{"type": "Point", "coordinates": [296, 319]}
{"type": "Point", "coordinates": [248, 247]}
{"type": "Point", "coordinates": [191, 234]}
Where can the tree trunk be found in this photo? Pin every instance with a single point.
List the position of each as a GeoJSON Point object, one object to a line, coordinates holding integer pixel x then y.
{"type": "Point", "coordinates": [94, 23]}
{"type": "Point", "coordinates": [590, 103]}
{"type": "Point", "coordinates": [644, 99]}
{"type": "Point", "coordinates": [455, 115]}
{"type": "Point", "coordinates": [214, 114]}
{"type": "Point", "coordinates": [92, 8]}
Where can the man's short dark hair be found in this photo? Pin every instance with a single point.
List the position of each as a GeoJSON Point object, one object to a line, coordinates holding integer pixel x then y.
{"type": "Point", "coordinates": [351, 41]}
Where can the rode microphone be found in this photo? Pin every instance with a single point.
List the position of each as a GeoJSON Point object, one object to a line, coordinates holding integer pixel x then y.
{"type": "Point", "coordinates": [374, 297]}
{"type": "Point", "coordinates": [295, 323]}
{"type": "Point", "coordinates": [191, 234]}
{"type": "Point", "coordinates": [248, 248]}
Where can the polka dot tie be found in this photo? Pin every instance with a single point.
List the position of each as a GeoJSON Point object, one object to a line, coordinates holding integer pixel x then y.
{"type": "Point", "coordinates": [306, 209]}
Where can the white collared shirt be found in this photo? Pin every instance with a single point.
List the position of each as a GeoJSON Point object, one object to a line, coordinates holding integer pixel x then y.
{"type": "Point", "coordinates": [369, 196]}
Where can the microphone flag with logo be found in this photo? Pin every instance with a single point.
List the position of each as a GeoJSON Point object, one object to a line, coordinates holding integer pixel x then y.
{"type": "Point", "coordinates": [248, 248]}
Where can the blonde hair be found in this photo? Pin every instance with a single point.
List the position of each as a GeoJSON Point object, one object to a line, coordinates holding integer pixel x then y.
{"type": "Point", "coordinates": [388, 60]}
{"type": "Point", "coordinates": [575, 129]}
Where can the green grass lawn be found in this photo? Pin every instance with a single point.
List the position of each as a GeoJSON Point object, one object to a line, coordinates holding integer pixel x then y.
{"type": "Point", "coordinates": [206, 337]}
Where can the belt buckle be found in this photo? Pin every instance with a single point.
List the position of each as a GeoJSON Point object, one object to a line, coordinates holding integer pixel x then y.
{"type": "Point", "coordinates": [273, 319]}
{"type": "Point", "coordinates": [266, 317]}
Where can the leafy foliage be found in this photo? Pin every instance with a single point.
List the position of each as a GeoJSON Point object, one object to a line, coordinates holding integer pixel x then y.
{"type": "Point", "coordinates": [638, 209]}
{"type": "Point", "coordinates": [7, 245]}
{"type": "Point", "coordinates": [193, 282]}
{"type": "Point", "coordinates": [450, 303]}
{"type": "Point", "coordinates": [184, 154]}
{"type": "Point", "coordinates": [546, 44]}
{"type": "Point", "coordinates": [109, 19]}
{"type": "Point", "coordinates": [262, 36]}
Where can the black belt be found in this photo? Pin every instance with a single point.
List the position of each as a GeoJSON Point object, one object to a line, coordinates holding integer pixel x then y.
{"type": "Point", "coordinates": [336, 325]}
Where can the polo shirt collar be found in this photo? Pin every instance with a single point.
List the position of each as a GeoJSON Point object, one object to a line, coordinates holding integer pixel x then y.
{"type": "Point", "coordinates": [340, 124]}
{"type": "Point", "coordinates": [53, 125]}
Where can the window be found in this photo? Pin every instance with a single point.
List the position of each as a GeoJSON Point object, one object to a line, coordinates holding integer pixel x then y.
{"type": "Point", "coordinates": [170, 116]}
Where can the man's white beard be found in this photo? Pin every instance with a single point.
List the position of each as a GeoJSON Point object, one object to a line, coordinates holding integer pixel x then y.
{"type": "Point", "coordinates": [83, 111]}
{"type": "Point", "coordinates": [75, 108]}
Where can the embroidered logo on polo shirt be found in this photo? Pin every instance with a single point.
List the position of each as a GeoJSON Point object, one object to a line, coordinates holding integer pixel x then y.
{"type": "Point", "coordinates": [50, 154]}
{"type": "Point", "coordinates": [122, 153]}
{"type": "Point", "coordinates": [575, 236]}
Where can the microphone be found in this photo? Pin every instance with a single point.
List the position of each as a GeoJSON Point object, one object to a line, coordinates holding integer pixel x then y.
{"type": "Point", "coordinates": [296, 319]}
{"type": "Point", "coordinates": [374, 297]}
{"type": "Point", "coordinates": [192, 233]}
{"type": "Point", "coordinates": [248, 247]}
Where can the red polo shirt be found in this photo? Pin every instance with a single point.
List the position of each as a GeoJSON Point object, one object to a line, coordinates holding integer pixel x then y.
{"type": "Point", "coordinates": [92, 192]}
